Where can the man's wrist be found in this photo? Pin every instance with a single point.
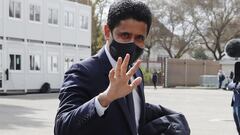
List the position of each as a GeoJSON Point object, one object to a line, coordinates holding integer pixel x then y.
{"type": "Point", "coordinates": [104, 100]}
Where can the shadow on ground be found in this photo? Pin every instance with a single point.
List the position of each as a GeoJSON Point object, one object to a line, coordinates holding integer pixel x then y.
{"type": "Point", "coordinates": [12, 116]}
{"type": "Point", "coordinates": [35, 96]}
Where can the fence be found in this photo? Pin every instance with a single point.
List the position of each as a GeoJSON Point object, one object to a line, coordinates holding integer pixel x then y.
{"type": "Point", "coordinates": [180, 72]}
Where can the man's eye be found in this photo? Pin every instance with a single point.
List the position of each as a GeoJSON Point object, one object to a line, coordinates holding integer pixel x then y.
{"type": "Point", "coordinates": [125, 35]}
{"type": "Point", "coordinates": [140, 38]}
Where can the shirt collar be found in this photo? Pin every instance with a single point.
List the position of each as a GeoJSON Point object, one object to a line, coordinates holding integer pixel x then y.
{"type": "Point", "coordinates": [110, 58]}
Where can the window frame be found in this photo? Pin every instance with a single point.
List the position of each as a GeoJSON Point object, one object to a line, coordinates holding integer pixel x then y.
{"type": "Point", "coordinates": [36, 10]}
{"type": "Point", "coordinates": [52, 17]}
{"type": "Point", "coordinates": [14, 12]}
{"type": "Point", "coordinates": [69, 63]}
{"type": "Point", "coordinates": [67, 18]}
{"type": "Point", "coordinates": [34, 62]}
{"type": "Point", "coordinates": [15, 62]}
{"type": "Point", "coordinates": [51, 64]}
{"type": "Point", "coordinates": [82, 22]}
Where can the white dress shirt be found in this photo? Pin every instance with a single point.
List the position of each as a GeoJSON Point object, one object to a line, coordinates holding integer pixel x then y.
{"type": "Point", "coordinates": [136, 99]}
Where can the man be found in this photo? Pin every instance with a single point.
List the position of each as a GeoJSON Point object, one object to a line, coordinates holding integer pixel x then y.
{"type": "Point", "coordinates": [221, 78]}
{"type": "Point", "coordinates": [231, 75]}
{"type": "Point", "coordinates": [103, 95]}
{"type": "Point", "coordinates": [154, 79]}
{"type": "Point", "coordinates": [235, 87]}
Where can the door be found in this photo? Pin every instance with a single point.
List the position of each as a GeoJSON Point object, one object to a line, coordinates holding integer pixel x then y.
{"type": "Point", "coordinates": [1, 68]}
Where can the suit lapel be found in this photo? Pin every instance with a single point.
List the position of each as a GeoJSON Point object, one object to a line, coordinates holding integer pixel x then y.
{"type": "Point", "coordinates": [106, 67]}
{"type": "Point", "coordinates": [123, 105]}
{"type": "Point", "coordinates": [124, 108]}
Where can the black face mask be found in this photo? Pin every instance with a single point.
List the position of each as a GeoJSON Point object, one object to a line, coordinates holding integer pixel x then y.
{"type": "Point", "coordinates": [121, 49]}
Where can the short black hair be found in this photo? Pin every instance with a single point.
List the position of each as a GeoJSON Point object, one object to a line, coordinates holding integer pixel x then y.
{"type": "Point", "coordinates": [128, 9]}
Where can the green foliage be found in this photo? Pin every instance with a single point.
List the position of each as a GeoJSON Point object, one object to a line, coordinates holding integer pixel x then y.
{"type": "Point", "coordinates": [147, 77]}
{"type": "Point", "coordinates": [199, 54]}
{"type": "Point", "coordinates": [97, 17]}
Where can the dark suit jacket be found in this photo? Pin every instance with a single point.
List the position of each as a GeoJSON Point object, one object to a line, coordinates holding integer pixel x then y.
{"type": "Point", "coordinates": [236, 93]}
{"type": "Point", "coordinates": [77, 114]}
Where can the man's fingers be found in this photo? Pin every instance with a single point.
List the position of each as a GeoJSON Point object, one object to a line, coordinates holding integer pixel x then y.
{"type": "Point", "coordinates": [133, 70]}
{"type": "Point", "coordinates": [124, 65]}
{"type": "Point", "coordinates": [136, 82]}
{"type": "Point", "coordinates": [118, 67]}
{"type": "Point", "coordinates": [111, 74]}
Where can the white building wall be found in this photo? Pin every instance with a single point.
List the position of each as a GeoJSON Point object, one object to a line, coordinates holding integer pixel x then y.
{"type": "Point", "coordinates": [35, 30]}
{"type": "Point", "coordinates": [69, 34]}
{"type": "Point", "coordinates": [24, 28]}
{"type": "Point", "coordinates": [55, 78]}
{"type": "Point", "coordinates": [52, 32]}
{"type": "Point", "coordinates": [16, 78]}
{"type": "Point", "coordinates": [1, 18]}
{"type": "Point", "coordinates": [1, 66]}
{"type": "Point", "coordinates": [84, 36]}
{"type": "Point", "coordinates": [43, 39]}
{"type": "Point", "coordinates": [14, 27]}
{"type": "Point", "coordinates": [228, 65]}
{"type": "Point", "coordinates": [35, 49]}
{"type": "Point", "coordinates": [83, 52]}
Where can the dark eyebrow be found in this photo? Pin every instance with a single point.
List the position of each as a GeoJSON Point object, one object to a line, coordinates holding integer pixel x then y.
{"type": "Point", "coordinates": [125, 33]}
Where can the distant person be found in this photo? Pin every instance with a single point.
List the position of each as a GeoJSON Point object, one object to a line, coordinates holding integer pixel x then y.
{"type": "Point", "coordinates": [221, 78]}
{"type": "Point", "coordinates": [228, 80]}
{"type": "Point", "coordinates": [154, 79]}
{"type": "Point", "coordinates": [231, 75]}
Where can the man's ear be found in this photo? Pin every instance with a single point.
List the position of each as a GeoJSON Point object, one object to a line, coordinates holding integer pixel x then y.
{"type": "Point", "coordinates": [107, 32]}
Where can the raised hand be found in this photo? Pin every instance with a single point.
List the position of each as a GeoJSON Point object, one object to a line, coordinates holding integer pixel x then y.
{"type": "Point", "coordinates": [119, 78]}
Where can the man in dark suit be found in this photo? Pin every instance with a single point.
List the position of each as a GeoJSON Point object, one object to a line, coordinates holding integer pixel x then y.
{"type": "Point", "coordinates": [103, 95]}
{"type": "Point", "coordinates": [235, 103]}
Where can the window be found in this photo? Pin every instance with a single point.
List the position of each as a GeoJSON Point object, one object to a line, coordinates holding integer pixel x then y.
{"type": "Point", "coordinates": [35, 62]}
{"type": "Point", "coordinates": [52, 16]}
{"type": "Point", "coordinates": [83, 22]}
{"type": "Point", "coordinates": [68, 19]}
{"type": "Point", "coordinates": [34, 11]}
{"type": "Point", "coordinates": [1, 68]}
{"type": "Point", "coordinates": [52, 64]}
{"type": "Point", "coordinates": [15, 62]}
{"type": "Point", "coordinates": [68, 62]}
{"type": "Point", "coordinates": [1, 78]}
{"type": "Point", "coordinates": [14, 9]}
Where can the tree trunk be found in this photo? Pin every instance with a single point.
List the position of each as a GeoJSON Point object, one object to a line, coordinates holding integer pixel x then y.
{"type": "Point", "coordinates": [148, 56]}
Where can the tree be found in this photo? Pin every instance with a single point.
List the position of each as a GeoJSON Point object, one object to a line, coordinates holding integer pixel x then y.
{"type": "Point", "coordinates": [97, 33]}
{"type": "Point", "coordinates": [215, 22]}
{"type": "Point", "coordinates": [199, 54]}
{"type": "Point", "coordinates": [87, 2]}
{"type": "Point", "coordinates": [180, 34]}
{"type": "Point", "coordinates": [152, 39]}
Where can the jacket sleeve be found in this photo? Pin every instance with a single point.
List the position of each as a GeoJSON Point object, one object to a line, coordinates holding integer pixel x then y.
{"type": "Point", "coordinates": [77, 106]}
{"type": "Point", "coordinates": [160, 120]}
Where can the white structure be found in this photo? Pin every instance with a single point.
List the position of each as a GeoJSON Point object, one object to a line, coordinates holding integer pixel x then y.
{"type": "Point", "coordinates": [227, 65]}
{"type": "Point", "coordinates": [39, 41]}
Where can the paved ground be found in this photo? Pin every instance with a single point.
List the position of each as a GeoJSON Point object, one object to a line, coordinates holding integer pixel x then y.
{"type": "Point", "coordinates": [208, 111]}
